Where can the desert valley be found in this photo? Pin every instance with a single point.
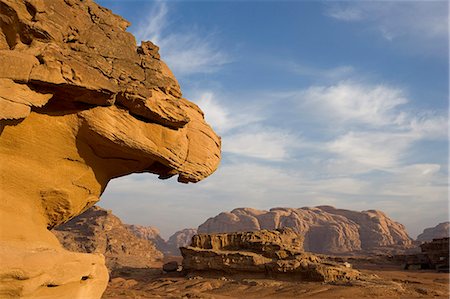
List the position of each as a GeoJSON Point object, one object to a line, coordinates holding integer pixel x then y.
{"type": "Point", "coordinates": [82, 102]}
{"type": "Point", "coordinates": [319, 252]}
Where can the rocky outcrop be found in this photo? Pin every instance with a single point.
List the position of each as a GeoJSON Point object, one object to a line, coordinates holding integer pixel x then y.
{"type": "Point", "coordinates": [276, 253]}
{"type": "Point", "coordinates": [325, 229]}
{"type": "Point", "coordinates": [149, 233]}
{"type": "Point", "coordinates": [279, 243]}
{"type": "Point", "coordinates": [442, 230]}
{"type": "Point", "coordinates": [179, 239]}
{"type": "Point", "coordinates": [98, 230]}
{"type": "Point", "coordinates": [80, 104]}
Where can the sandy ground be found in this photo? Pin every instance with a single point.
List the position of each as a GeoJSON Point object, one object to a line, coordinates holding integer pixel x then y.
{"type": "Point", "coordinates": [382, 281]}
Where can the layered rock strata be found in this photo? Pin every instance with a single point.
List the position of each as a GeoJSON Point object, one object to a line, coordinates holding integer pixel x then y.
{"type": "Point", "coordinates": [275, 253]}
{"type": "Point", "coordinates": [80, 104]}
{"type": "Point", "coordinates": [325, 229]}
{"type": "Point", "coordinates": [98, 230]}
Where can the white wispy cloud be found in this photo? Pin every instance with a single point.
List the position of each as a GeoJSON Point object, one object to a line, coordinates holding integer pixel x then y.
{"type": "Point", "coordinates": [416, 21]}
{"type": "Point", "coordinates": [375, 125]}
{"type": "Point", "coordinates": [350, 101]}
{"type": "Point", "coordinates": [428, 125]}
{"type": "Point", "coordinates": [370, 150]}
{"type": "Point", "coordinates": [368, 126]}
{"type": "Point", "coordinates": [153, 26]}
{"type": "Point", "coordinates": [263, 143]}
{"type": "Point", "coordinates": [347, 13]}
{"type": "Point", "coordinates": [186, 51]}
{"type": "Point", "coordinates": [222, 115]}
{"type": "Point", "coordinates": [242, 128]}
{"type": "Point", "coordinates": [215, 114]}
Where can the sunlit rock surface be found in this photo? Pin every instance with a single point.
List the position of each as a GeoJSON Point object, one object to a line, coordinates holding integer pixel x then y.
{"type": "Point", "coordinates": [273, 253]}
{"type": "Point", "coordinates": [80, 104]}
{"type": "Point", "coordinates": [325, 228]}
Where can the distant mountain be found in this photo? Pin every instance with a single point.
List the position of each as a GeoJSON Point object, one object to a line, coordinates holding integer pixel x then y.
{"type": "Point", "coordinates": [149, 233]}
{"type": "Point", "coordinates": [179, 239]}
{"type": "Point", "coordinates": [98, 230]}
{"type": "Point", "coordinates": [439, 231]}
{"type": "Point", "coordinates": [171, 247]}
{"type": "Point", "coordinates": [325, 228]}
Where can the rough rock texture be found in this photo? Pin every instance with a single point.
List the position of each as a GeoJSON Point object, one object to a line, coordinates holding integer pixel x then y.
{"type": "Point", "coordinates": [442, 230]}
{"type": "Point", "coordinates": [325, 229]}
{"type": "Point", "coordinates": [179, 239]}
{"type": "Point", "coordinates": [273, 253]}
{"type": "Point", "coordinates": [149, 233]}
{"type": "Point", "coordinates": [80, 104]}
{"type": "Point", "coordinates": [98, 230]}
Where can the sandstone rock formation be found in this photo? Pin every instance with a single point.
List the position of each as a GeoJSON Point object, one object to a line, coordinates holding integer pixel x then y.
{"type": "Point", "coordinates": [325, 229]}
{"type": "Point", "coordinates": [179, 239]}
{"type": "Point", "coordinates": [442, 230]}
{"type": "Point", "coordinates": [80, 104]}
{"type": "Point", "coordinates": [98, 230]}
{"type": "Point", "coordinates": [275, 253]}
{"type": "Point", "coordinates": [149, 233]}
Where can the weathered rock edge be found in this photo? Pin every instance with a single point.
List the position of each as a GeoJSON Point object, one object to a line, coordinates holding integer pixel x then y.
{"type": "Point", "coordinates": [80, 104]}
{"type": "Point", "coordinates": [276, 254]}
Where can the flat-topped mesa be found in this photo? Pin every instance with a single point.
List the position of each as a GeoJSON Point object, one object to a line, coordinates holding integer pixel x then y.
{"type": "Point", "coordinates": [281, 243]}
{"type": "Point", "coordinates": [81, 104]}
{"type": "Point", "coordinates": [274, 253]}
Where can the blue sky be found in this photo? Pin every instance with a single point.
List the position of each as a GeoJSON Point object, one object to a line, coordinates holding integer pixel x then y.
{"type": "Point", "coordinates": [338, 103]}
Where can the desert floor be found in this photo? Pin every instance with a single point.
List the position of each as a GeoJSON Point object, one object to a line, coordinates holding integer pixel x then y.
{"type": "Point", "coordinates": [382, 281]}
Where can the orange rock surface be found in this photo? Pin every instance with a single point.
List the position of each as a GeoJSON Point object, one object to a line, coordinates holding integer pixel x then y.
{"type": "Point", "coordinates": [80, 104]}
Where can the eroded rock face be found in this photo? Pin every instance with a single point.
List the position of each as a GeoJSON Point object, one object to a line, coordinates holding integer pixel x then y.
{"type": "Point", "coordinates": [80, 104]}
{"type": "Point", "coordinates": [149, 233]}
{"type": "Point", "coordinates": [98, 230]}
{"type": "Point", "coordinates": [274, 253]}
{"type": "Point", "coordinates": [442, 230]}
{"type": "Point", "coordinates": [325, 229]}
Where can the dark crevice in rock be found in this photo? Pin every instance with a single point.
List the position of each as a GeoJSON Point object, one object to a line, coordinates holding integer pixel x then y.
{"type": "Point", "coordinates": [50, 285]}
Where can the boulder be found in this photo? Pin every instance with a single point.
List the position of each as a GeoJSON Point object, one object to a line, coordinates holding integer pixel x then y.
{"type": "Point", "coordinates": [170, 266]}
{"type": "Point", "coordinates": [80, 104]}
{"type": "Point", "coordinates": [271, 253]}
{"type": "Point", "coordinates": [325, 229]}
